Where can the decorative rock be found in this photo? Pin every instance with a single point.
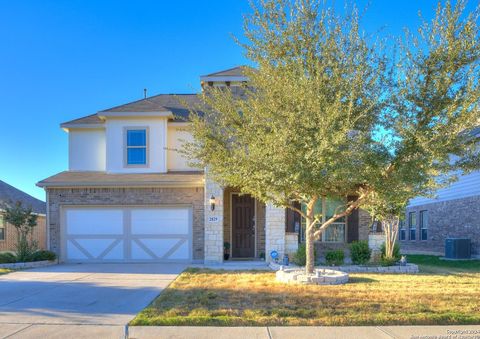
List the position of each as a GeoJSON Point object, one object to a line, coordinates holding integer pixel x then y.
{"type": "Point", "coordinates": [31, 264]}
{"type": "Point", "coordinates": [397, 269]}
{"type": "Point", "coordinates": [319, 277]}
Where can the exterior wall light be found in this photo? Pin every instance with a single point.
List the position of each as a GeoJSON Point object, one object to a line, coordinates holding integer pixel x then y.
{"type": "Point", "coordinates": [212, 203]}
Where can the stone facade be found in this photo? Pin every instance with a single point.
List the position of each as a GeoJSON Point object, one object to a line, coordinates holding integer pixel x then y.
{"type": "Point", "coordinates": [457, 218]}
{"type": "Point", "coordinates": [39, 235]}
{"type": "Point", "coordinates": [291, 244]}
{"type": "Point", "coordinates": [59, 197]}
{"type": "Point", "coordinates": [213, 222]}
{"type": "Point", "coordinates": [274, 231]}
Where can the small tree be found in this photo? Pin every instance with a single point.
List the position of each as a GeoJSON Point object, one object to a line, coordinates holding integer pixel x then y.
{"type": "Point", "coordinates": [24, 222]}
{"type": "Point", "coordinates": [324, 115]}
{"type": "Point", "coordinates": [389, 209]}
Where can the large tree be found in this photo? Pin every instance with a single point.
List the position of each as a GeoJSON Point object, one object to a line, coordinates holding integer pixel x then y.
{"type": "Point", "coordinates": [327, 114]}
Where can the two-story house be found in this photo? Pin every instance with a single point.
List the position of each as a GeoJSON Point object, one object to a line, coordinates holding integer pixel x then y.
{"type": "Point", "coordinates": [129, 195]}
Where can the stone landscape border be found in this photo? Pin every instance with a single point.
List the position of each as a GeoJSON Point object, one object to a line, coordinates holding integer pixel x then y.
{"type": "Point", "coordinates": [396, 269]}
{"type": "Point", "coordinates": [31, 264]}
{"type": "Point", "coordinates": [320, 276]}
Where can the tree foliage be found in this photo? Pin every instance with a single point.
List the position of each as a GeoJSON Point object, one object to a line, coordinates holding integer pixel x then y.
{"type": "Point", "coordinates": [328, 113]}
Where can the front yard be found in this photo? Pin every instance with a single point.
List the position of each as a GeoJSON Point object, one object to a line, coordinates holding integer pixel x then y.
{"type": "Point", "coordinates": [443, 293]}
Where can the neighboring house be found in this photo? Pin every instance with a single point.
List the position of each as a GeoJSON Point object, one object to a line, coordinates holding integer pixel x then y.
{"type": "Point", "coordinates": [454, 212]}
{"type": "Point", "coordinates": [9, 195]}
{"type": "Point", "coordinates": [129, 195]}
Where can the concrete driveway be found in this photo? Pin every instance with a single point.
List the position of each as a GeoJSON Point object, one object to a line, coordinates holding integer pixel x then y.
{"type": "Point", "coordinates": [40, 302]}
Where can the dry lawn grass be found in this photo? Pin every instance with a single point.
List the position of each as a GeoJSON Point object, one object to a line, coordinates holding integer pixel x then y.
{"type": "Point", "coordinates": [206, 297]}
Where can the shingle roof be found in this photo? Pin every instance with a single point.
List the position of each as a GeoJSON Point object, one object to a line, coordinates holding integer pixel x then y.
{"type": "Point", "coordinates": [9, 195]}
{"type": "Point", "coordinates": [92, 119]}
{"type": "Point", "coordinates": [178, 104]}
{"type": "Point", "coordinates": [104, 179]}
{"type": "Point", "coordinates": [232, 72]}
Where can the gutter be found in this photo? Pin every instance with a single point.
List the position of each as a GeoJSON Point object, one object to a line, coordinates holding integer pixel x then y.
{"type": "Point", "coordinates": [143, 184]}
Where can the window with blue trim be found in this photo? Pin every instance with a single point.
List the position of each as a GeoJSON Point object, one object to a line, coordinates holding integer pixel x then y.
{"type": "Point", "coordinates": [136, 147]}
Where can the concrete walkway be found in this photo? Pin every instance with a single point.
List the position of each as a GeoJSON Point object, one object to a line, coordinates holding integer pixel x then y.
{"type": "Point", "coordinates": [354, 332]}
{"type": "Point", "coordinates": [91, 300]}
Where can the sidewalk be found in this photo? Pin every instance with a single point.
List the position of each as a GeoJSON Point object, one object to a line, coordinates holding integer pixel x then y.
{"type": "Point", "coordinates": [178, 332]}
{"type": "Point", "coordinates": [354, 332]}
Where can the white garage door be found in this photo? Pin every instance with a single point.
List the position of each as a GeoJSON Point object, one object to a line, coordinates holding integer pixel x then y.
{"type": "Point", "coordinates": [127, 234]}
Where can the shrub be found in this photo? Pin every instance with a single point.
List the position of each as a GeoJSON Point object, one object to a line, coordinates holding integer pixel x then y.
{"type": "Point", "coordinates": [7, 258]}
{"type": "Point", "coordinates": [43, 255]}
{"type": "Point", "coordinates": [360, 252]}
{"type": "Point", "coordinates": [300, 257]}
{"type": "Point", "coordinates": [335, 257]}
{"type": "Point", "coordinates": [390, 261]}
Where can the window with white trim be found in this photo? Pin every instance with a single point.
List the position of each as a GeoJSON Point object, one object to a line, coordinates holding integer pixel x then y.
{"type": "Point", "coordinates": [424, 225]}
{"type": "Point", "coordinates": [136, 146]}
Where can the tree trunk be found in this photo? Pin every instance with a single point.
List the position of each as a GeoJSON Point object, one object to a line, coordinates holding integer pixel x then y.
{"type": "Point", "coordinates": [309, 236]}
{"type": "Point", "coordinates": [391, 233]}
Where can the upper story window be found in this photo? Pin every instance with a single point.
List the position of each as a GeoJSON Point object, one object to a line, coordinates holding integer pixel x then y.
{"type": "Point", "coordinates": [136, 146]}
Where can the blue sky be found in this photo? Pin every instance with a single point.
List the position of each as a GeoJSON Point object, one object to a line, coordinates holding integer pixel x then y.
{"type": "Point", "coordinates": [61, 60]}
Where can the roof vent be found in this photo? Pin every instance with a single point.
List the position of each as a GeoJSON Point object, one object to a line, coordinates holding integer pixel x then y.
{"type": "Point", "coordinates": [144, 93]}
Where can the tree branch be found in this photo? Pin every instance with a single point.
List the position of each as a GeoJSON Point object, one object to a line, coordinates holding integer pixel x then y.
{"type": "Point", "coordinates": [349, 210]}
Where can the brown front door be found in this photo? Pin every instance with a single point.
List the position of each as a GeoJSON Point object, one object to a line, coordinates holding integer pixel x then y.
{"type": "Point", "coordinates": [243, 226]}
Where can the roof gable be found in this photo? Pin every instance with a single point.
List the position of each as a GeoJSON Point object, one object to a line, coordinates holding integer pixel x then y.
{"type": "Point", "coordinates": [9, 195]}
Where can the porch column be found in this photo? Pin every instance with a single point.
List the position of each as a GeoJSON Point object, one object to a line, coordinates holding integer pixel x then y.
{"type": "Point", "coordinates": [213, 222]}
{"type": "Point", "coordinates": [274, 231]}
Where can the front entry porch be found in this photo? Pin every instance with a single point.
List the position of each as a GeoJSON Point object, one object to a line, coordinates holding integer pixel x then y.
{"type": "Point", "coordinates": [243, 225]}
{"type": "Point", "coordinates": [251, 228]}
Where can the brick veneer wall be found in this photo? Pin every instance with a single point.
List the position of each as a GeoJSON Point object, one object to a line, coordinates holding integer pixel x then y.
{"type": "Point", "coordinates": [58, 197]}
{"type": "Point", "coordinates": [459, 218]}
{"type": "Point", "coordinates": [39, 235]}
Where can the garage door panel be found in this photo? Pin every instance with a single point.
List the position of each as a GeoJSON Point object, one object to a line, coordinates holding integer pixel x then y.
{"type": "Point", "coordinates": [95, 221]}
{"type": "Point", "coordinates": [123, 234]}
{"type": "Point", "coordinates": [116, 253]}
{"type": "Point", "coordinates": [160, 221]}
{"type": "Point", "coordinates": [97, 247]}
{"type": "Point", "coordinates": [74, 252]}
{"type": "Point", "coordinates": [141, 252]}
{"type": "Point", "coordinates": [182, 252]}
